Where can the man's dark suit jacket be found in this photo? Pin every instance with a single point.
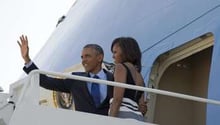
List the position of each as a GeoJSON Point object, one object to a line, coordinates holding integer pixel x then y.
{"type": "Point", "coordinates": [79, 90]}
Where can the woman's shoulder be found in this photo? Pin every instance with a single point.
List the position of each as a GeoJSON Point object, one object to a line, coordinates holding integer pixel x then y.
{"type": "Point", "coordinates": [137, 77]}
{"type": "Point", "coordinates": [120, 67]}
{"type": "Point", "coordinates": [129, 66]}
{"type": "Point", "coordinates": [123, 66]}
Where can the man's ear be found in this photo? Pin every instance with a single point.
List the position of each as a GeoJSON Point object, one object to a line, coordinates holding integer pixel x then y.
{"type": "Point", "coordinates": [100, 57]}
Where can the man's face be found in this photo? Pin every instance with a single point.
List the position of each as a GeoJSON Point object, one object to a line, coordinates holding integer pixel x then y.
{"type": "Point", "coordinates": [91, 60]}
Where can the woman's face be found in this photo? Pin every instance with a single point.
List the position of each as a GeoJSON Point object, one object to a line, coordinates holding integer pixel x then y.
{"type": "Point", "coordinates": [117, 53]}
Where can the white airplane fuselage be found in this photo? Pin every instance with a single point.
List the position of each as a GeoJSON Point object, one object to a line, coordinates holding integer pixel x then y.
{"type": "Point", "coordinates": [180, 48]}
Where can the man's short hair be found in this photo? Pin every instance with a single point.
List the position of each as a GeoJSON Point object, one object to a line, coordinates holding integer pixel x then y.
{"type": "Point", "coordinates": [96, 47]}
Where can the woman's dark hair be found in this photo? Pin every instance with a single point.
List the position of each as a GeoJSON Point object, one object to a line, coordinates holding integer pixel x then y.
{"type": "Point", "coordinates": [130, 50]}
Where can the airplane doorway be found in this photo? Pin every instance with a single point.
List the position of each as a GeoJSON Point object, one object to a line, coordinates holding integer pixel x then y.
{"type": "Point", "coordinates": [187, 73]}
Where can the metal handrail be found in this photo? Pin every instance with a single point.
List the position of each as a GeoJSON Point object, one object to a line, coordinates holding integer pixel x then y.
{"type": "Point", "coordinates": [111, 83]}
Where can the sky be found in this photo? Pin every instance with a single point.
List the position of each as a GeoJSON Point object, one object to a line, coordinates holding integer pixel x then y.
{"type": "Point", "coordinates": [35, 18]}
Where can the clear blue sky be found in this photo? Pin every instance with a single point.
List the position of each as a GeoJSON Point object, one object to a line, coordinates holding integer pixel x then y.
{"type": "Point", "coordinates": [35, 18]}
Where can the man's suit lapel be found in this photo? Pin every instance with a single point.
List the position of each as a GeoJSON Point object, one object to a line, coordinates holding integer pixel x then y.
{"type": "Point", "coordinates": [109, 77]}
{"type": "Point", "coordinates": [86, 91]}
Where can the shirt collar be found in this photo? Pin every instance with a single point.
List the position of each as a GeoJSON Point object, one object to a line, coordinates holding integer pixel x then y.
{"type": "Point", "coordinates": [100, 74]}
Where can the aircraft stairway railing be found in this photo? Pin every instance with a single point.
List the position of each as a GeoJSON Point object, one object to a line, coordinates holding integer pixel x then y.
{"type": "Point", "coordinates": [27, 92]}
{"type": "Point", "coordinates": [34, 77]}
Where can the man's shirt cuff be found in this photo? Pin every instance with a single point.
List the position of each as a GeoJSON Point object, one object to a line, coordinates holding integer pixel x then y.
{"type": "Point", "coordinates": [27, 65]}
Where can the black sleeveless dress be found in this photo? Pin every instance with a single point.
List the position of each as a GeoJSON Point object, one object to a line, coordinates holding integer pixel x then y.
{"type": "Point", "coordinates": [129, 105]}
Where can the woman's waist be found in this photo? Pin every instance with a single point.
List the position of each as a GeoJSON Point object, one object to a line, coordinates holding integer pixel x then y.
{"type": "Point", "coordinates": [127, 102]}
